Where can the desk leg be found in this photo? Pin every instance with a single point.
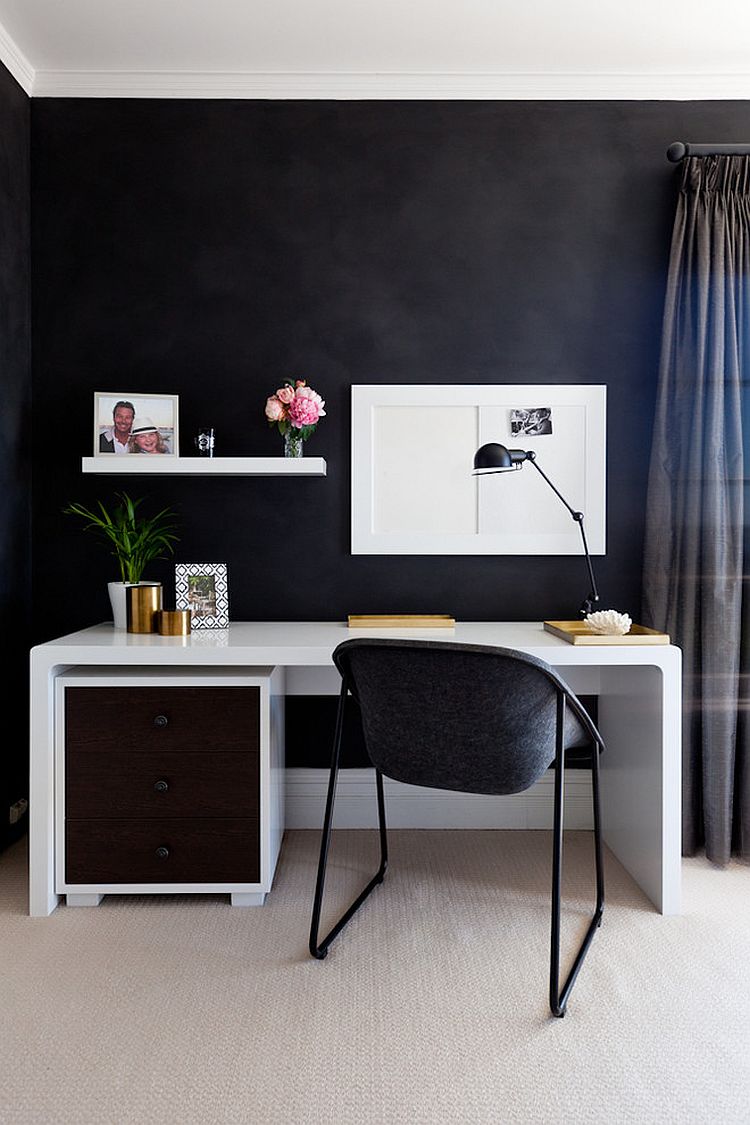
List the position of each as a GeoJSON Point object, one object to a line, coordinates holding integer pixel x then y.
{"type": "Point", "coordinates": [248, 898]}
{"type": "Point", "coordinates": [639, 717]}
{"type": "Point", "coordinates": [42, 897]}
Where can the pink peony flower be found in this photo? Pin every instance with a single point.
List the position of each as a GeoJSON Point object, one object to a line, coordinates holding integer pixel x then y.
{"type": "Point", "coordinates": [308, 392]}
{"type": "Point", "coordinates": [285, 394]}
{"type": "Point", "coordinates": [275, 410]}
{"type": "Point", "coordinates": [304, 411]}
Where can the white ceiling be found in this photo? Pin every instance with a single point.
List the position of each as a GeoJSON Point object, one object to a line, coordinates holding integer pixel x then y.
{"type": "Point", "coordinates": [371, 48]}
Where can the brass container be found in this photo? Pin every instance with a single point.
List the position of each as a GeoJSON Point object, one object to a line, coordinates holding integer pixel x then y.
{"type": "Point", "coordinates": [143, 603]}
{"type": "Point", "coordinates": [173, 622]}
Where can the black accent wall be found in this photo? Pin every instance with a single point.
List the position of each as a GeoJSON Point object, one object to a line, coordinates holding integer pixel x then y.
{"type": "Point", "coordinates": [212, 248]}
{"type": "Point", "coordinates": [15, 444]}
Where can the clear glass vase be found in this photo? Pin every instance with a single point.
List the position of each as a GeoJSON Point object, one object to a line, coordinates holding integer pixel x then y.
{"type": "Point", "coordinates": [293, 444]}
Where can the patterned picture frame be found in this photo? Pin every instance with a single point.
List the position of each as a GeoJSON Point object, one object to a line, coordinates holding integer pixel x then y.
{"type": "Point", "coordinates": [203, 589]}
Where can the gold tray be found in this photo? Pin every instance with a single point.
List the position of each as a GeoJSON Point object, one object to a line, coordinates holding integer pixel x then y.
{"type": "Point", "coordinates": [579, 633]}
{"type": "Point", "coordinates": [401, 621]}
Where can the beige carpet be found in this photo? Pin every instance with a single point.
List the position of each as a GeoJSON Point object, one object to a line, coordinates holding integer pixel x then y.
{"type": "Point", "coordinates": [431, 1007]}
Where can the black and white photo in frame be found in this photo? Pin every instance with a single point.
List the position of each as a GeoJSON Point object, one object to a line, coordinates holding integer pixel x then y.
{"type": "Point", "coordinates": [533, 421]}
{"type": "Point", "coordinates": [203, 589]}
{"type": "Point", "coordinates": [135, 423]}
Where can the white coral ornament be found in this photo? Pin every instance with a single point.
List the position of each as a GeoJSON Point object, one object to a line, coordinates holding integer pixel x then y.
{"type": "Point", "coordinates": [609, 621]}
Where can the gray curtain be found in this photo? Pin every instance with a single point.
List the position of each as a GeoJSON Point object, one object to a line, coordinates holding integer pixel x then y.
{"type": "Point", "coordinates": [696, 547]}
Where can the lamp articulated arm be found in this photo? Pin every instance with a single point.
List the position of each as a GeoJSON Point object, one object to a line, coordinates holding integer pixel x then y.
{"type": "Point", "coordinates": [494, 458]}
{"type": "Point", "coordinates": [589, 602]}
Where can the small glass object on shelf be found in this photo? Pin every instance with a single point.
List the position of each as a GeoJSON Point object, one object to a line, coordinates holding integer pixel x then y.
{"type": "Point", "coordinates": [204, 441]}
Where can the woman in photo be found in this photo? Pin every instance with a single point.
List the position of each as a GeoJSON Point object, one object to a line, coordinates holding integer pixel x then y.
{"type": "Point", "coordinates": [145, 438]}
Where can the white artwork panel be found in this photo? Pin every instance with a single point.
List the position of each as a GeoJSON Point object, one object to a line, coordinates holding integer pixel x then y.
{"type": "Point", "coordinates": [412, 486]}
{"type": "Point", "coordinates": [420, 483]}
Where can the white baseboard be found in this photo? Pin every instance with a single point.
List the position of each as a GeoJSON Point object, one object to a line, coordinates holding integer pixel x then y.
{"type": "Point", "coordinates": [410, 806]}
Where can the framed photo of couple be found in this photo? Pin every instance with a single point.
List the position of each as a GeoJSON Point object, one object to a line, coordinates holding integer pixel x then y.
{"type": "Point", "coordinates": [135, 423]}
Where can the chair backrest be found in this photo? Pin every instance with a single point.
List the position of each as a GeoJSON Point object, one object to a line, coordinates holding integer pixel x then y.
{"type": "Point", "coordinates": [472, 718]}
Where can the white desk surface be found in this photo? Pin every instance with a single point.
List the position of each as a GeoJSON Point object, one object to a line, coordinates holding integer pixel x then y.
{"type": "Point", "coordinates": [310, 643]}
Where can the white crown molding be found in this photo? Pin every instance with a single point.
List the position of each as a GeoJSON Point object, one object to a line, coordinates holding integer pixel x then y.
{"type": "Point", "coordinates": [15, 60]}
{"type": "Point", "coordinates": [389, 86]}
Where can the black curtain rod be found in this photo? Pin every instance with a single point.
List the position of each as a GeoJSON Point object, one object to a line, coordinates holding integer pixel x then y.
{"type": "Point", "coordinates": [677, 151]}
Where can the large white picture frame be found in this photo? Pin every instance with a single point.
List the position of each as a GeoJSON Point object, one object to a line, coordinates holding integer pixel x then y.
{"type": "Point", "coordinates": [413, 447]}
{"type": "Point", "coordinates": [155, 415]}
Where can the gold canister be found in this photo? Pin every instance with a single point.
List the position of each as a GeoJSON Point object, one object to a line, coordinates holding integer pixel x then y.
{"type": "Point", "coordinates": [173, 622]}
{"type": "Point", "coordinates": [143, 603]}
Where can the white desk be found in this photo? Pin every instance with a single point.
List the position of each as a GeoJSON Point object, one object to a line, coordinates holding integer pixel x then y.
{"type": "Point", "coordinates": [639, 689]}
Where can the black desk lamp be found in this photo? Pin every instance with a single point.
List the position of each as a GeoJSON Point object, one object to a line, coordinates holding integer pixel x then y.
{"type": "Point", "coordinates": [494, 458]}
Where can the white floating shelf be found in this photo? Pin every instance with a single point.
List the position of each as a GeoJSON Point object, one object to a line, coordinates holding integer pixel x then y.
{"type": "Point", "coordinates": [166, 465]}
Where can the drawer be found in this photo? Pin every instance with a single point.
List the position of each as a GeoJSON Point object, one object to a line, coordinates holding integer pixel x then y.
{"type": "Point", "coordinates": [221, 850]}
{"type": "Point", "coordinates": [166, 718]}
{"type": "Point", "coordinates": [158, 783]}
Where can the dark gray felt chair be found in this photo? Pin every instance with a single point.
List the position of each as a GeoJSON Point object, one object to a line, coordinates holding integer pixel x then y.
{"type": "Point", "coordinates": [470, 718]}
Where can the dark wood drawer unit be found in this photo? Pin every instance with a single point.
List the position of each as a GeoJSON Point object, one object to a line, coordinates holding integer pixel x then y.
{"type": "Point", "coordinates": [168, 718]}
{"type": "Point", "coordinates": [156, 783]}
{"type": "Point", "coordinates": [163, 851]}
{"type": "Point", "coordinates": [169, 781]}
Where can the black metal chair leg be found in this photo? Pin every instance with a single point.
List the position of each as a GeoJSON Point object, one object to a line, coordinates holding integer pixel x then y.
{"type": "Point", "coordinates": [598, 848]}
{"type": "Point", "coordinates": [319, 949]}
{"type": "Point", "coordinates": [558, 998]}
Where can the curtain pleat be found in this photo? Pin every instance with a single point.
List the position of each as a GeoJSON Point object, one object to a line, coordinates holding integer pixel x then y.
{"type": "Point", "coordinates": [696, 540]}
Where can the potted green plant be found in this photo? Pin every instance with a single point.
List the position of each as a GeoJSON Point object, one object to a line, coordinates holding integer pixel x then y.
{"type": "Point", "coordinates": [132, 538]}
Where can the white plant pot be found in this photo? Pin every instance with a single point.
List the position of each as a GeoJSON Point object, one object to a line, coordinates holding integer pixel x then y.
{"type": "Point", "coordinates": [118, 598]}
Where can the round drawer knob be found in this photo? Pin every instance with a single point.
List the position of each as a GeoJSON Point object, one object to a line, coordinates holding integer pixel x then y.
{"type": "Point", "coordinates": [161, 786]}
{"type": "Point", "coordinates": [161, 721]}
{"type": "Point", "coordinates": [162, 853]}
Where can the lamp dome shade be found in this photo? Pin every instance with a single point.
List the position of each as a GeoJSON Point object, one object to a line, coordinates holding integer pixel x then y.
{"type": "Point", "coordinates": [492, 458]}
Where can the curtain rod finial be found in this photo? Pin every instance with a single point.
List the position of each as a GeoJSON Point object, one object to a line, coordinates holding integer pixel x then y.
{"type": "Point", "coordinates": [676, 152]}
